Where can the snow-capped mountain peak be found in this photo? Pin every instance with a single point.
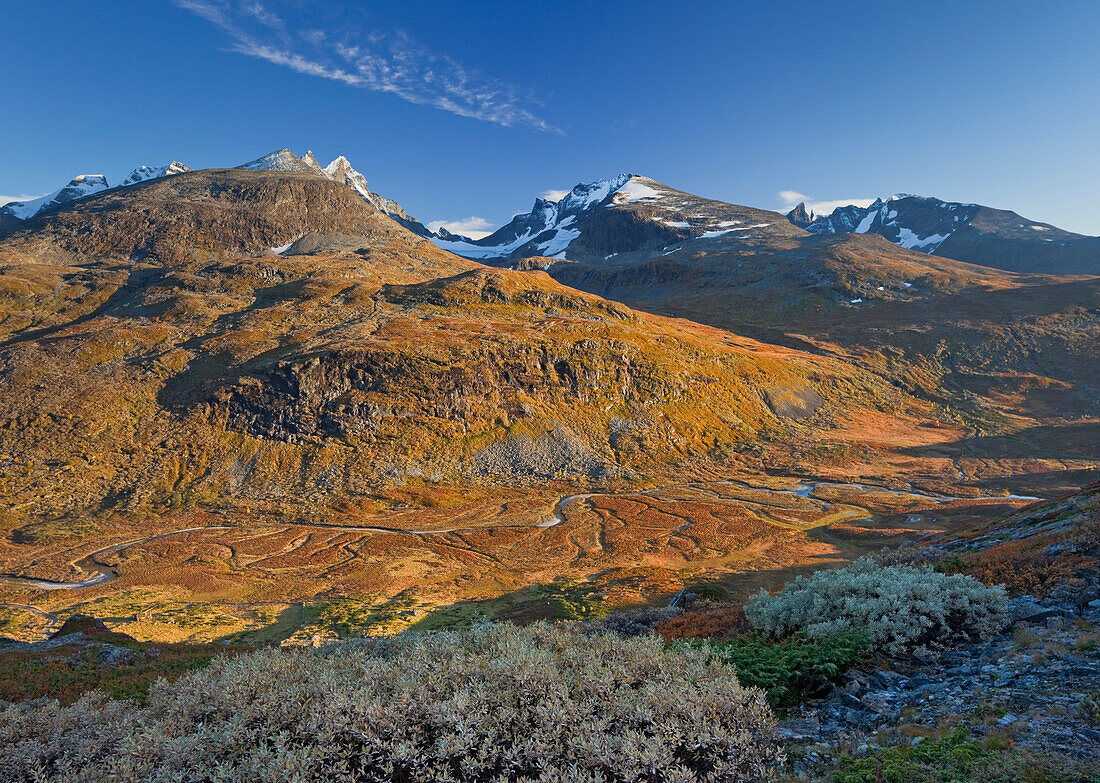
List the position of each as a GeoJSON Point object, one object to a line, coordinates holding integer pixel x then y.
{"type": "Point", "coordinates": [144, 173]}
{"type": "Point", "coordinates": [621, 214]}
{"type": "Point", "coordinates": [84, 185]}
{"type": "Point", "coordinates": [962, 230]}
{"type": "Point", "coordinates": [279, 160]}
{"type": "Point", "coordinates": [341, 170]}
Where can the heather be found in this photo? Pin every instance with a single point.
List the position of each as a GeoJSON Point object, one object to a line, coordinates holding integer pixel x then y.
{"type": "Point", "coordinates": [497, 703]}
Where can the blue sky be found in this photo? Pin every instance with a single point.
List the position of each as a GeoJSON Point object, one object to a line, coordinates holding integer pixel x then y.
{"type": "Point", "coordinates": [469, 110]}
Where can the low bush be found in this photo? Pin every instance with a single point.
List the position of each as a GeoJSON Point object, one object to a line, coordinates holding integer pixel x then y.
{"type": "Point", "coordinates": [1021, 572]}
{"type": "Point", "coordinates": [957, 758]}
{"type": "Point", "coordinates": [68, 672]}
{"type": "Point", "coordinates": [793, 669]}
{"type": "Point", "coordinates": [496, 704]}
{"type": "Point", "coordinates": [636, 622]}
{"type": "Point", "coordinates": [902, 609]}
{"type": "Point", "coordinates": [726, 622]}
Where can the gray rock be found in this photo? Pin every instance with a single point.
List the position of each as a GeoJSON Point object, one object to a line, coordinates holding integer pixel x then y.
{"type": "Point", "coordinates": [1027, 610]}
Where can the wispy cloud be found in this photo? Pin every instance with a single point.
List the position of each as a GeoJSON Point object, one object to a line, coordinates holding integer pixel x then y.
{"type": "Point", "coordinates": [554, 195]}
{"type": "Point", "coordinates": [389, 62]}
{"type": "Point", "coordinates": [25, 197]}
{"type": "Point", "coordinates": [472, 227]}
{"type": "Point", "coordinates": [789, 199]}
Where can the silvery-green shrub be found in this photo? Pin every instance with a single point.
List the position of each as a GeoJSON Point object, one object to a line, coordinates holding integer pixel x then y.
{"type": "Point", "coordinates": [902, 609]}
{"type": "Point", "coordinates": [494, 704]}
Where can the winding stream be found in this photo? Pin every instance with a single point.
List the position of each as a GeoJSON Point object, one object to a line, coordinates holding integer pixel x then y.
{"type": "Point", "coordinates": [101, 573]}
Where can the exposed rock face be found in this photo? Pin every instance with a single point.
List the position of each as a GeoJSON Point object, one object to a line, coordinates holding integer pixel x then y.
{"type": "Point", "coordinates": [283, 160]}
{"type": "Point", "coordinates": [615, 231]}
{"type": "Point", "coordinates": [799, 216]}
{"type": "Point", "coordinates": [339, 170]}
{"type": "Point", "coordinates": [1036, 688]}
{"type": "Point", "coordinates": [794, 403]}
{"type": "Point", "coordinates": [353, 391]}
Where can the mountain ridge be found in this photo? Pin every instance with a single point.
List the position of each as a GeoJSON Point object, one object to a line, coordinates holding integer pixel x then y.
{"type": "Point", "coordinates": [607, 217]}
{"type": "Point", "coordinates": [964, 231]}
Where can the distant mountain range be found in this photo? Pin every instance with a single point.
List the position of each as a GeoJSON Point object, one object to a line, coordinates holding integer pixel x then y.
{"type": "Point", "coordinates": [339, 170]}
{"type": "Point", "coordinates": [630, 213]}
{"type": "Point", "coordinates": [80, 186]}
{"type": "Point", "coordinates": [965, 232]}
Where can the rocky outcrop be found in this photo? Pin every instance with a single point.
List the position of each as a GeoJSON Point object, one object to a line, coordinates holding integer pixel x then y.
{"type": "Point", "coordinates": [356, 390]}
{"type": "Point", "coordinates": [799, 216]}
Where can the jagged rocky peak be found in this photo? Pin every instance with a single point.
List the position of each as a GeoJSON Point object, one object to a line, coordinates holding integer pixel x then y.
{"type": "Point", "coordinates": [800, 216]}
{"type": "Point", "coordinates": [310, 160]}
{"type": "Point", "coordinates": [341, 170]}
{"type": "Point", "coordinates": [143, 173]}
{"type": "Point", "coordinates": [280, 160]}
{"type": "Point", "coordinates": [966, 232]}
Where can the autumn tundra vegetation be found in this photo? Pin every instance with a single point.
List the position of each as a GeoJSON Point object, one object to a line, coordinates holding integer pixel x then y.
{"type": "Point", "coordinates": [293, 493]}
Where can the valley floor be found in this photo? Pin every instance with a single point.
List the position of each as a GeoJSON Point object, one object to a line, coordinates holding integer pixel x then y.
{"type": "Point", "coordinates": [208, 577]}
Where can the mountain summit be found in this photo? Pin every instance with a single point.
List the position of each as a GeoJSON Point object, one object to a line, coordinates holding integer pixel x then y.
{"type": "Point", "coordinates": [963, 231]}
{"type": "Point", "coordinates": [340, 170]}
{"type": "Point", "coordinates": [609, 217]}
{"type": "Point", "coordinates": [80, 186]}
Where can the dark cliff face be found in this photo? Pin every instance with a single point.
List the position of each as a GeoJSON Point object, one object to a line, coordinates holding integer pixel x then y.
{"type": "Point", "coordinates": [357, 391]}
{"type": "Point", "coordinates": [624, 231]}
{"type": "Point", "coordinates": [799, 216]}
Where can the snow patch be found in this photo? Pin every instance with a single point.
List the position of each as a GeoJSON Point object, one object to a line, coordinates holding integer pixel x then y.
{"type": "Point", "coordinates": [865, 224]}
{"type": "Point", "coordinates": [909, 240]}
{"type": "Point", "coordinates": [559, 242]}
{"type": "Point", "coordinates": [724, 231]}
{"type": "Point", "coordinates": [633, 190]}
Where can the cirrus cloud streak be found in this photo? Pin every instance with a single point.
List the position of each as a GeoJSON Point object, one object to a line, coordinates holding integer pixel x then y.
{"type": "Point", "coordinates": [382, 62]}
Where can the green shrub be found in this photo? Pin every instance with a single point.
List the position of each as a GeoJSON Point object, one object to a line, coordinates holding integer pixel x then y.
{"type": "Point", "coordinates": [902, 609]}
{"type": "Point", "coordinates": [793, 669]}
{"type": "Point", "coordinates": [491, 704]}
{"type": "Point", "coordinates": [956, 759]}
